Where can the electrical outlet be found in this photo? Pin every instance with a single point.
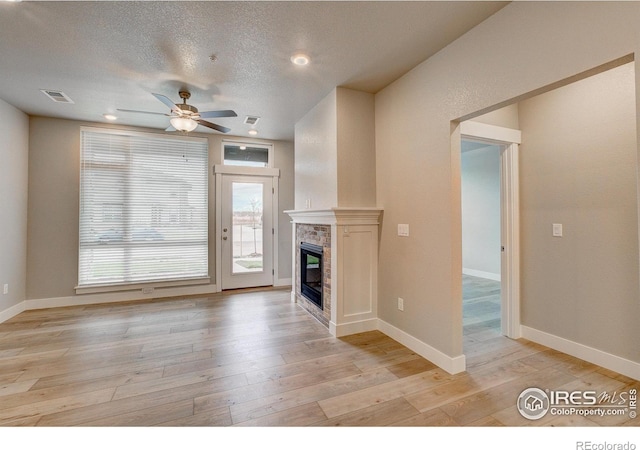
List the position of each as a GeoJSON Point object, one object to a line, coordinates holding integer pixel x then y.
{"type": "Point", "coordinates": [147, 290]}
{"type": "Point", "coordinates": [400, 304]}
{"type": "Point", "coordinates": [5, 289]}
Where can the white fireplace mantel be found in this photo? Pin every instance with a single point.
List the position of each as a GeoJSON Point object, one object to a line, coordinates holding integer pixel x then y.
{"type": "Point", "coordinates": [354, 265]}
{"type": "Point", "coordinates": [337, 216]}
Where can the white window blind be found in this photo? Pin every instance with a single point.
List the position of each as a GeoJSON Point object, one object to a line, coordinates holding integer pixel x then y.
{"type": "Point", "coordinates": [143, 208]}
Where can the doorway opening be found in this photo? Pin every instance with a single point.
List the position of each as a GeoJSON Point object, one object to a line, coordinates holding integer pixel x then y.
{"type": "Point", "coordinates": [246, 226]}
{"type": "Point", "coordinates": [491, 235]}
{"type": "Point", "coordinates": [481, 239]}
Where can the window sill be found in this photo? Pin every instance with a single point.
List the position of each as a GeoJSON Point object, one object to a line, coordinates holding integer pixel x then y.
{"type": "Point", "coordinates": [115, 287]}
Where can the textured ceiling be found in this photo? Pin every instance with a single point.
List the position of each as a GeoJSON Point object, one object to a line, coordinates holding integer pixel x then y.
{"type": "Point", "coordinates": [110, 55]}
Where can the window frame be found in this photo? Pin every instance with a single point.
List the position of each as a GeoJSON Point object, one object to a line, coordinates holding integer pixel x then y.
{"type": "Point", "coordinates": [158, 282]}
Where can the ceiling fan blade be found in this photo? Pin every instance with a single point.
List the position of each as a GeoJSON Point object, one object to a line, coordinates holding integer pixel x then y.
{"type": "Point", "coordinates": [167, 101]}
{"type": "Point", "coordinates": [213, 126]}
{"type": "Point", "coordinates": [221, 113]}
{"type": "Point", "coordinates": [142, 112]}
{"type": "Point", "coordinates": [170, 128]}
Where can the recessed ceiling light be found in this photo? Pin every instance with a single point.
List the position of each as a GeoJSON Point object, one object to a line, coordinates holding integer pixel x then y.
{"type": "Point", "coordinates": [109, 116]}
{"type": "Point", "coordinates": [300, 59]}
{"type": "Point", "coordinates": [253, 132]}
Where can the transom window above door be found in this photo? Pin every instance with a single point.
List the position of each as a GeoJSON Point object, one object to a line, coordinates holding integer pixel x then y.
{"type": "Point", "coordinates": [247, 154]}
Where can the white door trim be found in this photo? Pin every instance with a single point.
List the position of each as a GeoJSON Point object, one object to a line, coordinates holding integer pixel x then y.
{"type": "Point", "coordinates": [509, 217]}
{"type": "Point", "coordinates": [477, 130]}
{"type": "Point", "coordinates": [219, 171]}
{"type": "Point", "coordinates": [510, 236]}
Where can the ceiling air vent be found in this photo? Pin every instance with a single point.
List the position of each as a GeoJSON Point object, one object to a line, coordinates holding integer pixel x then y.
{"type": "Point", "coordinates": [251, 120]}
{"type": "Point", "coordinates": [56, 96]}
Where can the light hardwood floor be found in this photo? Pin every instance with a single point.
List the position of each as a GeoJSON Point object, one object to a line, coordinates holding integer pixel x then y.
{"type": "Point", "coordinates": [480, 304]}
{"type": "Point", "coordinates": [254, 358]}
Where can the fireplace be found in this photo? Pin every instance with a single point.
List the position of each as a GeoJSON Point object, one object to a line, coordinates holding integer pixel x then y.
{"type": "Point", "coordinates": [341, 268]}
{"type": "Point", "coordinates": [311, 272]}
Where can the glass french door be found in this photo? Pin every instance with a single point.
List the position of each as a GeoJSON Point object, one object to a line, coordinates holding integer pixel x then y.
{"type": "Point", "coordinates": [247, 231]}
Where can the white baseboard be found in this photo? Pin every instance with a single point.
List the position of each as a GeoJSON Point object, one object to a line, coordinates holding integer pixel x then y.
{"type": "Point", "coordinates": [590, 354]}
{"type": "Point", "coordinates": [12, 311]}
{"type": "Point", "coordinates": [113, 297]}
{"type": "Point", "coordinates": [452, 365]}
{"type": "Point", "coordinates": [360, 326]}
{"type": "Point", "coordinates": [481, 274]}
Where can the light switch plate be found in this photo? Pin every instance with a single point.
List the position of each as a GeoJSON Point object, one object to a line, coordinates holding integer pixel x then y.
{"type": "Point", "coordinates": [557, 230]}
{"type": "Point", "coordinates": [403, 229]}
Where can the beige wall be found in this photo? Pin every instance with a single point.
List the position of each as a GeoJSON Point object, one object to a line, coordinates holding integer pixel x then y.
{"type": "Point", "coordinates": [335, 152]}
{"type": "Point", "coordinates": [14, 156]}
{"type": "Point", "coordinates": [579, 168]}
{"type": "Point", "coordinates": [518, 52]}
{"type": "Point", "coordinates": [54, 156]}
{"type": "Point", "coordinates": [506, 117]}
{"type": "Point", "coordinates": [356, 149]}
{"type": "Point", "coordinates": [316, 148]}
{"type": "Point", "coordinates": [284, 159]}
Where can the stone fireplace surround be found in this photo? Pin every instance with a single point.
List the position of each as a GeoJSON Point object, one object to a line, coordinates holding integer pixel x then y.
{"type": "Point", "coordinates": [349, 238]}
{"type": "Point", "coordinates": [319, 235]}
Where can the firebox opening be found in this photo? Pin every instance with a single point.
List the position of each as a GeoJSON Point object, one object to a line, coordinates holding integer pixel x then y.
{"type": "Point", "coordinates": [311, 272]}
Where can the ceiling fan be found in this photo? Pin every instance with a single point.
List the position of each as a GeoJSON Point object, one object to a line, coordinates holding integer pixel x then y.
{"type": "Point", "coordinates": [185, 117]}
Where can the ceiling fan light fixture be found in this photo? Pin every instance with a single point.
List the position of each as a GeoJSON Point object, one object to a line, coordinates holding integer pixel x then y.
{"type": "Point", "coordinates": [185, 117]}
{"type": "Point", "coordinates": [183, 123]}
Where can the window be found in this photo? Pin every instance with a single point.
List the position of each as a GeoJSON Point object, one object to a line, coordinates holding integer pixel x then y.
{"type": "Point", "coordinates": [246, 154]}
{"type": "Point", "coordinates": [143, 208]}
